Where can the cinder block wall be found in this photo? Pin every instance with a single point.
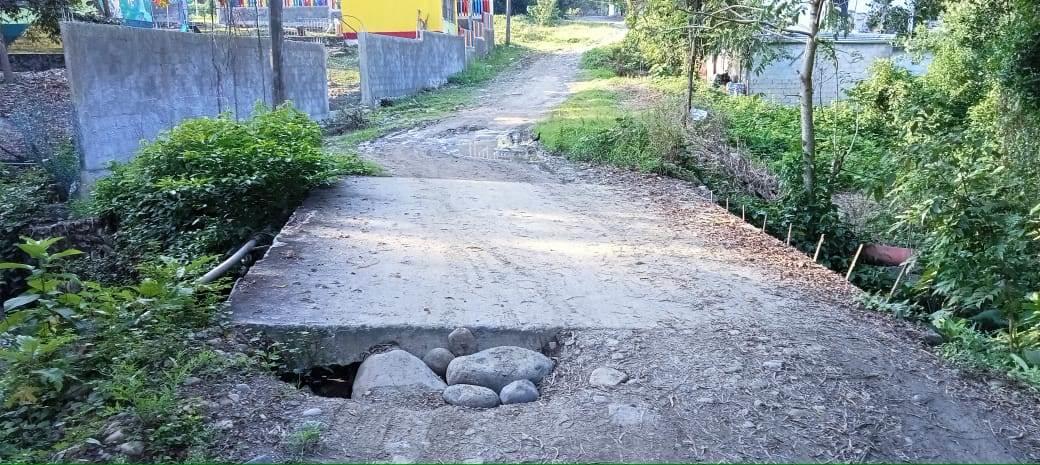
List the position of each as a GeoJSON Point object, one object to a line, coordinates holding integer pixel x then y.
{"type": "Point", "coordinates": [130, 84]}
{"type": "Point", "coordinates": [394, 67]}
{"type": "Point", "coordinates": [779, 80]}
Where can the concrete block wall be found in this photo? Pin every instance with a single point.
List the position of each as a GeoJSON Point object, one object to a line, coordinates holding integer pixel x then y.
{"type": "Point", "coordinates": [291, 15]}
{"type": "Point", "coordinates": [779, 80]}
{"type": "Point", "coordinates": [130, 84]}
{"type": "Point", "coordinates": [393, 67]}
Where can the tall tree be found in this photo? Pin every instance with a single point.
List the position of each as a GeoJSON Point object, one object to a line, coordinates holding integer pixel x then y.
{"type": "Point", "coordinates": [782, 20]}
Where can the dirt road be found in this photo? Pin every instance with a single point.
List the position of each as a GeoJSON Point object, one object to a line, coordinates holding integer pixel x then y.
{"type": "Point", "coordinates": [738, 349]}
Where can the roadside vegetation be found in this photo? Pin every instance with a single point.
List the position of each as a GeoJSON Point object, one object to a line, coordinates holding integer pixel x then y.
{"type": "Point", "coordinates": [93, 362]}
{"type": "Point", "coordinates": [942, 163]}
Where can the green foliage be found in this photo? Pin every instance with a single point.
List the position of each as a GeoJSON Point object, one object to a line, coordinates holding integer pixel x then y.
{"type": "Point", "coordinates": [988, 351]}
{"type": "Point", "coordinates": [209, 184]}
{"type": "Point", "coordinates": [74, 351]}
{"type": "Point", "coordinates": [657, 42]}
{"type": "Point", "coordinates": [63, 167]}
{"type": "Point", "coordinates": [965, 158]}
{"type": "Point", "coordinates": [545, 12]}
{"type": "Point", "coordinates": [591, 126]}
{"type": "Point", "coordinates": [23, 193]}
{"type": "Point", "coordinates": [610, 60]}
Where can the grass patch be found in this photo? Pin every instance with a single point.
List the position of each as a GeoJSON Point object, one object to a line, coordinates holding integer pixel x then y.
{"type": "Point", "coordinates": [597, 124]}
{"type": "Point", "coordinates": [562, 36]}
{"type": "Point", "coordinates": [343, 69]}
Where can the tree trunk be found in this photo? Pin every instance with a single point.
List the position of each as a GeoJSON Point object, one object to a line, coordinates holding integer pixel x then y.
{"type": "Point", "coordinates": [806, 78]}
{"type": "Point", "coordinates": [277, 39]}
{"type": "Point", "coordinates": [694, 7]}
{"type": "Point", "coordinates": [5, 63]}
{"type": "Point", "coordinates": [509, 21]}
{"type": "Point", "coordinates": [103, 8]}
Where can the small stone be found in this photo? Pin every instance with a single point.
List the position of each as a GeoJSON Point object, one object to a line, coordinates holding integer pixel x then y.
{"type": "Point", "coordinates": [224, 425]}
{"type": "Point", "coordinates": [612, 342]}
{"type": "Point", "coordinates": [468, 395]}
{"type": "Point", "coordinates": [191, 381]}
{"type": "Point", "coordinates": [607, 377]}
{"type": "Point", "coordinates": [234, 397]}
{"type": "Point", "coordinates": [438, 360]}
{"type": "Point", "coordinates": [599, 399]}
{"type": "Point", "coordinates": [115, 437]}
{"type": "Point", "coordinates": [519, 392]}
{"type": "Point", "coordinates": [704, 400]}
{"type": "Point", "coordinates": [732, 369]}
{"type": "Point", "coordinates": [921, 399]}
{"type": "Point", "coordinates": [629, 415]}
{"type": "Point", "coordinates": [132, 448]}
{"type": "Point", "coordinates": [759, 403]}
{"type": "Point", "coordinates": [263, 458]}
{"type": "Point", "coordinates": [225, 403]}
{"type": "Point", "coordinates": [747, 425]}
{"type": "Point", "coordinates": [798, 413]}
{"type": "Point", "coordinates": [775, 365]}
{"type": "Point", "coordinates": [311, 412]}
{"type": "Point", "coordinates": [241, 387]}
{"type": "Point", "coordinates": [462, 342]}
{"type": "Point", "coordinates": [92, 441]}
{"type": "Point", "coordinates": [553, 346]}
{"type": "Point", "coordinates": [932, 337]}
{"type": "Point", "coordinates": [617, 356]}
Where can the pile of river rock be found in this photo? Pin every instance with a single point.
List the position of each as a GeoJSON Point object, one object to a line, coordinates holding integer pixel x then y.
{"type": "Point", "coordinates": [462, 375]}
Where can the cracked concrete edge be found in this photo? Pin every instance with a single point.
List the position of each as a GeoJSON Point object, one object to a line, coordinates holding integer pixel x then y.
{"type": "Point", "coordinates": [310, 346]}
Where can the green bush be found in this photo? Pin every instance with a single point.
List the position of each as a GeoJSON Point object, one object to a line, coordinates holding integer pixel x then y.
{"type": "Point", "coordinates": [210, 183]}
{"type": "Point", "coordinates": [545, 12]}
{"type": "Point", "coordinates": [73, 352]}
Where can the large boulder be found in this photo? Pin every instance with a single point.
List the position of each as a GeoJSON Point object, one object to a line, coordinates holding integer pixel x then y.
{"type": "Point", "coordinates": [467, 395]}
{"type": "Point", "coordinates": [397, 370]}
{"type": "Point", "coordinates": [496, 367]}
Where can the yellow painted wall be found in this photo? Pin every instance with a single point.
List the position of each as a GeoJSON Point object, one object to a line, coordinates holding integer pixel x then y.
{"type": "Point", "coordinates": [394, 15]}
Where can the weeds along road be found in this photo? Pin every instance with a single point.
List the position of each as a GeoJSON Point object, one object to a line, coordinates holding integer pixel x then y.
{"type": "Point", "coordinates": [736, 348]}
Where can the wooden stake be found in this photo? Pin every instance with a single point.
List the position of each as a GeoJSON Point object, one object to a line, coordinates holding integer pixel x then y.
{"type": "Point", "coordinates": [818, 246]}
{"type": "Point", "coordinates": [764, 219]}
{"type": "Point", "coordinates": [727, 204]}
{"type": "Point", "coordinates": [898, 278]}
{"type": "Point", "coordinates": [854, 260]}
{"type": "Point", "coordinates": [711, 196]}
{"type": "Point", "coordinates": [743, 216]}
{"type": "Point", "coordinates": [789, 234]}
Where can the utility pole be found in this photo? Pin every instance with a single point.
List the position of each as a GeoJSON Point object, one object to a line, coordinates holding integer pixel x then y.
{"type": "Point", "coordinates": [509, 20]}
{"type": "Point", "coordinates": [277, 38]}
{"type": "Point", "coordinates": [5, 63]}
